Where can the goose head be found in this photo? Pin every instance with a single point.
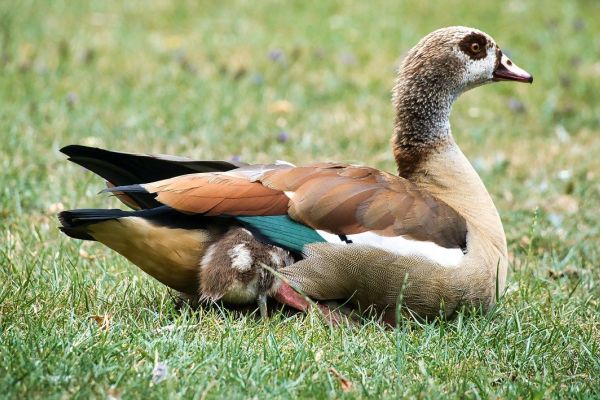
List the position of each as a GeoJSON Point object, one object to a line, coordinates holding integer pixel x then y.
{"type": "Point", "coordinates": [444, 64]}
{"type": "Point", "coordinates": [456, 59]}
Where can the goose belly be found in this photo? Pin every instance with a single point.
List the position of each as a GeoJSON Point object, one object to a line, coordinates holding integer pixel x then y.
{"type": "Point", "coordinates": [448, 257]}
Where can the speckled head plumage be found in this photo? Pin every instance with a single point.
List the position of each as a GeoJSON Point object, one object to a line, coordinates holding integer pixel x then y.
{"type": "Point", "coordinates": [455, 59]}
{"type": "Point", "coordinates": [444, 64]}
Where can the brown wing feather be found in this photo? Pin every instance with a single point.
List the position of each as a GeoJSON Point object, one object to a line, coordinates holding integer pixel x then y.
{"type": "Point", "coordinates": [346, 199]}
{"type": "Point", "coordinates": [217, 194]}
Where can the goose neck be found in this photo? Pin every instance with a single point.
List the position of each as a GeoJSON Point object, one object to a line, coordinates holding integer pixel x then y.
{"type": "Point", "coordinates": [422, 123]}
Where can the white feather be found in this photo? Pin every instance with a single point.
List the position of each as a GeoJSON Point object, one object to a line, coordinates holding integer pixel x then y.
{"type": "Point", "coordinates": [283, 162]}
{"type": "Point", "coordinates": [402, 246]}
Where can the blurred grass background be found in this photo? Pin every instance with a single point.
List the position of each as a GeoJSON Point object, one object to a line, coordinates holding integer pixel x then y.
{"type": "Point", "coordinates": [301, 81]}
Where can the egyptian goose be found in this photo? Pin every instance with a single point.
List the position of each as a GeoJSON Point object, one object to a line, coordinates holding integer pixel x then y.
{"type": "Point", "coordinates": [430, 236]}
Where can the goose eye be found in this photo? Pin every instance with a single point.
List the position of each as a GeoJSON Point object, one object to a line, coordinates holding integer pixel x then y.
{"type": "Point", "coordinates": [473, 45]}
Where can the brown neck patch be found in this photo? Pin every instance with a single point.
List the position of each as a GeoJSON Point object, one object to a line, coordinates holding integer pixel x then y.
{"type": "Point", "coordinates": [409, 160]}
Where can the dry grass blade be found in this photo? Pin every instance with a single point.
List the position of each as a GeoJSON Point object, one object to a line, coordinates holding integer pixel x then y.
{"type": "Point", "coordinates": [103, 321]}
{"type": "Point", "coordinates": [345, 383]}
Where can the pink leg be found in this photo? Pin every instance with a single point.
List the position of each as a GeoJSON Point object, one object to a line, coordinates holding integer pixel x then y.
{"type": "Point", "coordinates": [288, 296]}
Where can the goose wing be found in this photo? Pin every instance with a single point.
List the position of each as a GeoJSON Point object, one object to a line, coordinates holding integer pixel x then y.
{"type": "Point", "coordinates": [338, 198]}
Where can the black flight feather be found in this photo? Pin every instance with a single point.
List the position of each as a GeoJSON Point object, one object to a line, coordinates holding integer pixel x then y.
{"type": "Point", "coordinates": [75, 223]}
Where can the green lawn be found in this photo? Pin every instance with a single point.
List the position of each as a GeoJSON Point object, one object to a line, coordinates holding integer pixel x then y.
{"type": "Point", "coordinates": [303, 81]}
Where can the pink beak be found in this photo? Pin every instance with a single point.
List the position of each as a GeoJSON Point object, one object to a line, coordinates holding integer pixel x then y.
{"type": "Point", "coordinates": [508, 71]}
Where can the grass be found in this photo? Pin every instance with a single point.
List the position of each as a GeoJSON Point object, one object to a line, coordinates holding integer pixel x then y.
{"type": "Point", "coordinates": [301, 81]}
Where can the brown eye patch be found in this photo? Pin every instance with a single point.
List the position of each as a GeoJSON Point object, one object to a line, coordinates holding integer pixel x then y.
{"type": "Point", "coordinates": [474, 45]}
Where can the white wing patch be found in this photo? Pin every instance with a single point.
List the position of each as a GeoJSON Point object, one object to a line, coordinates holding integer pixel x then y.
{"type": "Point", "coordinates": [290, 195]}
{"type": "Point", "coordinates": [402, 246]}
